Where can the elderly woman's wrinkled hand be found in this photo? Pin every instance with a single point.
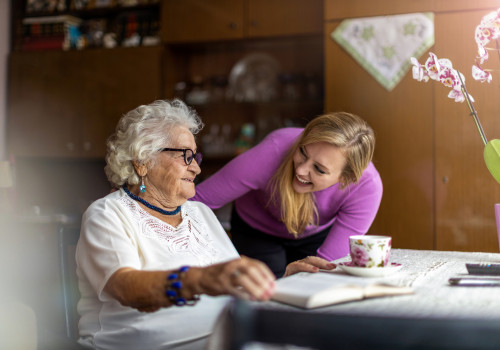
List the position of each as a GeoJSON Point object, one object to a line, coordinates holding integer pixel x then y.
{"type": "Point", "coordinates": [245, 278]}
{"type": "Point", "coordinates": [308, 264]}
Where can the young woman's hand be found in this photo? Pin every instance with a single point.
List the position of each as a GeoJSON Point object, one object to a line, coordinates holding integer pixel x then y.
{"type": "Point", "coordinates": [308, 264]}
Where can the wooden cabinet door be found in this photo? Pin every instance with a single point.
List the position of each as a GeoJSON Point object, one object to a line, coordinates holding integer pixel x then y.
{"type": "Point", "coordinates": [283, 17]}
{"type": "Point", "coordinates": [208, 20]}
{"type": "Point", "coordinates": [40, 112]}
{"type": "Point", "coordinates": [66, 104]}
{"type": "Point", "coordinates": [335, 9]}
{"type": "Point", "coordinates": [201, 20]}
{"type": "Point", "coordinates": [404, 154]}
{"type": "Point", "coordinates": [465, 190]}
{"type": "Point", "coordinates": [114, 82]}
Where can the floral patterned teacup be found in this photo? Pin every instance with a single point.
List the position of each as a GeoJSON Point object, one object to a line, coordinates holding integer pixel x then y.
{"type": "Point", "coordinates": [370, 251]}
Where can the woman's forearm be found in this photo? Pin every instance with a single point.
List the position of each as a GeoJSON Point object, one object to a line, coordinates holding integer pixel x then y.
{"type": "Point", "coordinates": [139, 289]}
{"type": "Point", "coordinates": [146, 290]}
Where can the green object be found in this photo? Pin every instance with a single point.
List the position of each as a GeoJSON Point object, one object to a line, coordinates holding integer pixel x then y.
{"type": "Point", "coordinates": [491, 148]}
{"type": "Point", "coordinates": [492, 158]}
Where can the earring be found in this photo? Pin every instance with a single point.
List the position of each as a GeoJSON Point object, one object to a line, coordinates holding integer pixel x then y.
{"type": "Point", "coordinates": [142, 188]}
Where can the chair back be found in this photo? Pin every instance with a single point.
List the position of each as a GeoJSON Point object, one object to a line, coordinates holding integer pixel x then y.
{"type": "Point", "coordinates": [67, 238]}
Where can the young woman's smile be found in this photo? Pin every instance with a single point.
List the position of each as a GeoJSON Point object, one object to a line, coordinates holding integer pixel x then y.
{"type": "Point", "coordinates": [317, 166]}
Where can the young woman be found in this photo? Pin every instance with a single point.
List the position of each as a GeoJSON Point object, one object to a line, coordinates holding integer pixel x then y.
{"type": "Point", "coordinates": [300, 192]}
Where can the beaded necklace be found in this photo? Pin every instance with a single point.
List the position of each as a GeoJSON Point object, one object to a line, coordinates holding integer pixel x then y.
{"type": "Point", "coordinates": [149, 205]}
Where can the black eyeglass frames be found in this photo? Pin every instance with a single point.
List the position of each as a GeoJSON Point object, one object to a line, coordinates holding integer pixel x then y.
{"type": "Point", "coordinates": [188, 154]}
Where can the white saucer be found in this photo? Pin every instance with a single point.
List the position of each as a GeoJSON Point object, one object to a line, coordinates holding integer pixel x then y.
{"type": "Point", "coordinates": [351, 269]}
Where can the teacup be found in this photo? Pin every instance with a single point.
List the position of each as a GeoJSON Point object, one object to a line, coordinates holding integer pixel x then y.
{"type": "Point", "coordinates": [370, 250]}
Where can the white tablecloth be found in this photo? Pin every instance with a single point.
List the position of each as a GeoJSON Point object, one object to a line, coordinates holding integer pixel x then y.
{"type": "Point", "coordinates": [427, 272]}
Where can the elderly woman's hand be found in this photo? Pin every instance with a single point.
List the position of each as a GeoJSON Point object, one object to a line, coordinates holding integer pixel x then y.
{"type": "Point", "coordinates": [246, 278]}
{"type": "Point", "coordinates": [308, 264]}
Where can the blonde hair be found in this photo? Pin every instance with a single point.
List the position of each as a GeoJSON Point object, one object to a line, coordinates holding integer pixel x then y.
{"type": "Point", "coordinates": [346, 131]}
{"type": "Point", "coordinates": [139, 135]}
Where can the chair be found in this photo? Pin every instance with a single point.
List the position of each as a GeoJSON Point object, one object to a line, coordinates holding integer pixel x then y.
{"type": "Point", "coordinates": [249, 323]}
{"type": "Point", "coordinates": [67, 238]}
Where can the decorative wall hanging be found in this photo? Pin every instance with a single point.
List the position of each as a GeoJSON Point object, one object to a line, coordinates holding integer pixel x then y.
{"type": "Point", "coordinates": [384, 45]}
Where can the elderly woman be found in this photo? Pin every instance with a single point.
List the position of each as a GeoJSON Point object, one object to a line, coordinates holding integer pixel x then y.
{"type": "Point", "coordinates": [145, 251]}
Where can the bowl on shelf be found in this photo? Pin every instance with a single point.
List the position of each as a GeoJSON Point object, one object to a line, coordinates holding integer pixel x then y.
{"type": "Point", "coordinates": [254, 78]}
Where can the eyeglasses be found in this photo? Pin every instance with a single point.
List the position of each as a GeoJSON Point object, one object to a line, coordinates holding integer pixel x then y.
{"type": "Point", "coordinates": [188, 154]}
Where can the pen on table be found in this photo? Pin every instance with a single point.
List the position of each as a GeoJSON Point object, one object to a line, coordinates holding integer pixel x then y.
{"type": "Point", "coordinates": [474, 281]}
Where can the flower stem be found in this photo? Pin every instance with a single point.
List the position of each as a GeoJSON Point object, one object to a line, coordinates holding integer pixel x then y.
{"type": "Point", "coordinates": [498, 48]}
{"type": "Point", "coordinates": [473, 111]}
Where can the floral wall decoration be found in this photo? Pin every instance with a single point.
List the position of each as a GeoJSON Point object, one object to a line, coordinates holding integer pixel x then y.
{"type": "Point", "coordinates": [383, 44]}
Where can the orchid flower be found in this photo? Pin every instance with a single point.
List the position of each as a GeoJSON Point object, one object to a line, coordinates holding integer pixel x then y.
{"type": "Point", "coordinates": [442, 70]}
{"type": "Point", "coordinates": [419, 71]}
{"type": "Point", "coordinates": [481, 75]}
{"type": "Point", "coordinates": [486, 31]}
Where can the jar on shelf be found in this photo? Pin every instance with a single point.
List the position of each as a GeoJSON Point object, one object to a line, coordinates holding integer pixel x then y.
{"type": "Point", "coordinates": [312, 86]}
{"type": "Point", "coordinates": [198, 94]}
{"type": "Point", "coordinates": [246, 139]}
{"type": "Point", "coordinates": [290, 86]}
{"type": "Point", "coordinates": [180, 90]}
{"type": "Point", "coordinates": [218, 87]}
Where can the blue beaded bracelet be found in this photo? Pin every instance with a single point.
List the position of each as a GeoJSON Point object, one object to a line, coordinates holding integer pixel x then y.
{"type": "Point", "coordinates": [174, 286]}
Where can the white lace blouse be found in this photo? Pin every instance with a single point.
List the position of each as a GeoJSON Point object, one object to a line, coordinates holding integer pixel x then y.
{"type": "Point", "coordinates": [116, 233]}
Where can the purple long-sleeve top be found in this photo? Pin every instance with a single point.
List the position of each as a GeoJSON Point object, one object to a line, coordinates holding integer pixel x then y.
{"type": "Point", "coordinates": [245, 179]}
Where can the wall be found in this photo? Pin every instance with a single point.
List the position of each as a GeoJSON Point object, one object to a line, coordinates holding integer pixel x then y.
{"type": "Point", "coordinates": [438, 193]}
{"type": "Point", "coordinates": [4, 50]}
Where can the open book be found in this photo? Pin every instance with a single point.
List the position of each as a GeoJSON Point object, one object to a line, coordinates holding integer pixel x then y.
{"type": "Point", "coordinates": [311, 290]}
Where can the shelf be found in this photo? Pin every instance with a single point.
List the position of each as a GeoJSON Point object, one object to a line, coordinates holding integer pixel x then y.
{"type": "Point", "coordinates": [97, 12]}
{"type": "Point", "coordinates": [109, 27]}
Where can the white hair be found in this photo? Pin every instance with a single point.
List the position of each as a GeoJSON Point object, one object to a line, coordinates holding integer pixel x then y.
{"type": "Point", "coordinates": [141, 133]}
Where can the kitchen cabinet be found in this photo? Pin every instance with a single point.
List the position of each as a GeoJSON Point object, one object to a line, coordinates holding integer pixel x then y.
{"type": "Point", "coordinates": [210, 20]}
{"type": "Point", "coordinates": [279, 18]}
{"type": "Point", "coordinates": [208, 39]}
{"type": "Point", "coordinates": [201, 20]}
{"type": "Point", "coordinates": [297, 56]}
{"type": "Point", "coordinates": [66, 104]}
{"type": "Point", "coordinates": [438, 193]}
{"type": "Point", "coordinates": [63, 105]}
